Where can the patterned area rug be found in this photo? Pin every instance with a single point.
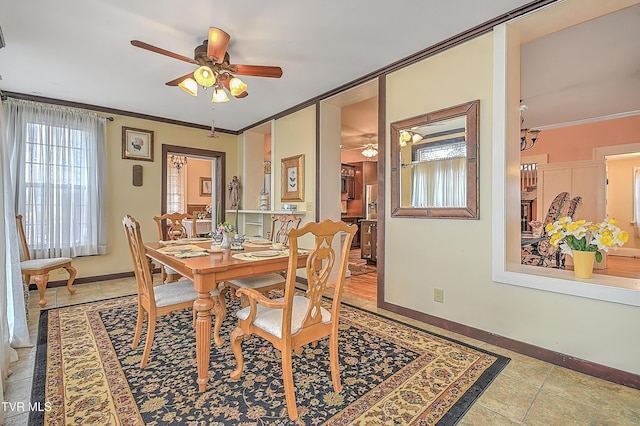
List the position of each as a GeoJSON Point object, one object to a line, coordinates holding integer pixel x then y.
{"type": "Point", "coordinates": [357, 265]}
{"type": "Point", "coordinates": [391, 373]}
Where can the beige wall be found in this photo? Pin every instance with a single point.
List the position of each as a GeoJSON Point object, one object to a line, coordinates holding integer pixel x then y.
{"type": "Point", "coordinates": [456, 255]}
{"type": "Point", "coordinates": [141, 202]}
{"type": "Point", "coordinates": [295, 135]}
{"type": "Point", "coordinates": [620, 199]}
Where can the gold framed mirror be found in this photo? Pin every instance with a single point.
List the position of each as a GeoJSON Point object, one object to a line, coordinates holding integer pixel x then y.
{"type": "Point", "coordinates": [434, 164]}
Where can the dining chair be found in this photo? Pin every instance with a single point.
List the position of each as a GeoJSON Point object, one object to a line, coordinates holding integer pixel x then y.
{"type": "Point", "coordinates": [171, 227]}
{"type": "Point", "coordinates": [280, 226]}
{"type": "Point", "coordinates": [543, 253]}
{"type": "Point", "coordinates": [39, 269]}
{"type": "Point", "coordinates": [294, 320]}
{"type": "Point", "coordinates": [154, 302]}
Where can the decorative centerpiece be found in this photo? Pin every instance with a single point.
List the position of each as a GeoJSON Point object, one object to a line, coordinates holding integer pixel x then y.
{"type": "Point", "coordinates": [584, 241]}
{"type": "Point", "coordinates": [225, 229]}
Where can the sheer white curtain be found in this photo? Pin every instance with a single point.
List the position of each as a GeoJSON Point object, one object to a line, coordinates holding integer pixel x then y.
{"type": "Point", "coordinates": [13, 319]}
{"type": "Point", "coordinates": [61, 178]}
{"type": "Point", "coordinates": [440, 183]}
{"type": "Point", "coordinates": [176, 189]}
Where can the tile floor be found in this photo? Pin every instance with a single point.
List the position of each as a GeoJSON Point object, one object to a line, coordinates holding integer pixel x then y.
{"type": "Point", "coordinates": [527, 392]}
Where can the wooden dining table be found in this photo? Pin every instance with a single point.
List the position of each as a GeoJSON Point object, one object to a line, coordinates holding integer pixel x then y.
{"type": "Point", "coordinates": [208, 273]}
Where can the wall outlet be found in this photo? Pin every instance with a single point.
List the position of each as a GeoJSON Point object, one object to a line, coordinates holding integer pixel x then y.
{"type": "Point", "coordinates": [309, 206]}
{"type": "Point", "coordinates": [438, 295]}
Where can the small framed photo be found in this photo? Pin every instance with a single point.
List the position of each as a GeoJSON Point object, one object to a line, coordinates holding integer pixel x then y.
{"type": "Point", "coordinates": [137, 144]}
{"type": "Point", "coordinates": [205, 186]}
{"type": "Point", "coordinates": [293, 178]}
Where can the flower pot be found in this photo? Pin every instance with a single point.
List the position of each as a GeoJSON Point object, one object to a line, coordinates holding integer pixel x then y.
{"type": "Point", "coordinates": [583, 263]}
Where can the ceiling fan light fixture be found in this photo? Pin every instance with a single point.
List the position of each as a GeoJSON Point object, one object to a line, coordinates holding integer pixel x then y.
{"type": "Point", "coordinates": [190, 86]}
{"type": "Point", "coordinates": [370, 151]}
{"type": "Point", "coordinates": [204, 76]}
{"type": "Point", "coordinates": [219, 95]}
{"type": "Point", "coordinates": [217, 44]}
{"type": "Point", "coordinates": [237, 86]}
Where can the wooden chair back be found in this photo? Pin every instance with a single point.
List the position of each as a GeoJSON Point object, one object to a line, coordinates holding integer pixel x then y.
{"type": "Point", "coordinates": [144, 281]}
{"type": "Point", "coordinates": [322, 261]}
{"type": "Point", "coordinates": [280, 226]}
{"type": "Point", "coordinates": [24, 248]}
{"type": "Point", "coordinates": [170, 226]}
{"type": "Point", "coordinates": [291, 331]}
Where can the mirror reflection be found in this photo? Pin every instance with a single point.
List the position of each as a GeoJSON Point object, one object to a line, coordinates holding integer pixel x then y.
{"type": "Point", "coordinates": [434, 170]}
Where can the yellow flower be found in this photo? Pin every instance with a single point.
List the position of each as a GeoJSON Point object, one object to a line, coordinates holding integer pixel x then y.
{"type": "Point", "coordinates": [555, 239]}
{"type": "Point", "coordinates": [623, 236]}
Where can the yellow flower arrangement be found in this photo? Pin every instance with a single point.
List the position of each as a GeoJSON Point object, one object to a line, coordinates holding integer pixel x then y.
{"type": "Point", "coordinates": [586, 236]}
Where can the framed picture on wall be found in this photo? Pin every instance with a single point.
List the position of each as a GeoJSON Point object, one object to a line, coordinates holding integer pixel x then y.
{"type": "Point", "coordinates": [137, 144]}
{"type": "Point", "coordinates": [205, 186]}
{"type": "Point", "coordinates": [293, 178]}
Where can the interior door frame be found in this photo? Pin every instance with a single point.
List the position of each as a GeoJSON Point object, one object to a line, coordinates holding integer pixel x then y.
{"type": "Point", "coordinates": [217, 156]}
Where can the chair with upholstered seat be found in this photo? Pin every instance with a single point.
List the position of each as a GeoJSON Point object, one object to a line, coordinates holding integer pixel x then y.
{"type": "Point", "coordinates": [170, 228]}
{"type": "Point", "coordinates": [295, 320]}
{"type": "Point", "coordinates": [39, 269]}
{"type": "Point", "coordinates": [543, 253]}
{"type": "Point", "coordinates": [280, 226]}
{"type": "Point", "coordinates": [161, 300]}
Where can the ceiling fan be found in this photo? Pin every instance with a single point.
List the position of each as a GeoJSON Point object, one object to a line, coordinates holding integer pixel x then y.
{"type": "Point", "coordinates": [370, 149]}
{"type": "Point", "coordinates": [214, 67]}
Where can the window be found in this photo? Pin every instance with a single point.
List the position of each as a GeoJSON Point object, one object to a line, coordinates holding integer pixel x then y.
{"type": "Point", "coordinates": [60, 182]}
{"type": "Point", "coordinates": [439, 175]}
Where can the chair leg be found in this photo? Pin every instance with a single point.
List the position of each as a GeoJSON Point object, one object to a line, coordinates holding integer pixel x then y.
{"type": "Point", "coordinates": [136, 335]}
{"type": "Point", "coordinates": [72, 276]}
{"type": "Point", "coordinates": [287, 378]}
{"type": "Point", "coordinates": [151, 328]}
{"type": "Point", "coordinates": [236, 346]}
{"type": "Point", "coordinates": [220, 311]}
{"type": "Point", "coordinates": [41, 281]}
{"type": "Point", "coordinates": [334, 362]}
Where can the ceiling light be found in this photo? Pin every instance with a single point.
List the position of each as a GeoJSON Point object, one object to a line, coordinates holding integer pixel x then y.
{"type": "Point", "coordinates": [528, 137]}
{"type": "Point", "coordinates": [219, 95]}
{"type": "Point", "coordinates": [190, 86]}
{"type": "Point", "coordinates": [416, 137]}
{"type": "Point", "coordinates": [370, 151]}
{"type": "Point", "coordinates": [237, 86]}
{"type": "Point", "coordinates": [204, 76]}
{"type": "Point", "coordinates": [404, 138]}
{"type": "Point", "coordinates": [177, 161]}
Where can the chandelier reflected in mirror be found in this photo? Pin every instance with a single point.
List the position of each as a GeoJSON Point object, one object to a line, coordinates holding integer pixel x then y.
{"type": "Point", "coordinates": [177, 161]}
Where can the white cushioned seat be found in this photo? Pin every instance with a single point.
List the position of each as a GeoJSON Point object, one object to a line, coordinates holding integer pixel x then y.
{"type": "Point", "coordinates": [36, 264]}
{"type": "Point", "coordinates": [170, 271]}
{"type": "Point", "coordinates": [258, 281]}
{"type": "Point", "coordinates": [177, 292]}
{"type": "Point", "coordinates": [270, 319]}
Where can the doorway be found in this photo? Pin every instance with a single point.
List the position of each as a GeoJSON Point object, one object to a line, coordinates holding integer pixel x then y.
{"type": "Point", "coordinates": [205, 184]}
{"type": "Point", "coordinates": [359, 186]}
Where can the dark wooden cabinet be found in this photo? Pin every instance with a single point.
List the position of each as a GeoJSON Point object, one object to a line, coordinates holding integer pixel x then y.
{"type": "Point", "coordinates": [354, 221]}
{"type": "Point", "coordinates": [347, 179]}
{"type": "Point", "coordinates": [368, 240]}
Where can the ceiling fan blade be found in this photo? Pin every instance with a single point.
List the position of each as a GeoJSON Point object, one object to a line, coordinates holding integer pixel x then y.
{"type": "Point", "coordinates": [179, 80]}
{"type": "Point", "coordinates": [154, 49]}
{"type": "Point", "coordinates": [257, 70]}
{"type": "Point", "coordinates": [217, 44]}
{"type": "Point", "coordinates": [225, 83]}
